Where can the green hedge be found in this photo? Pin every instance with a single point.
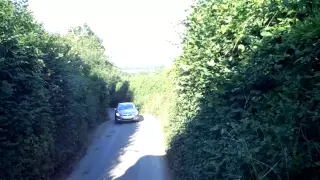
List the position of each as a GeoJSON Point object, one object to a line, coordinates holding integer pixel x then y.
{"type": "Point", "coordinates": [121, 93]}
{"type": "Point", "coordinates": [53, 89]}
{"type": "Point", "coordinates": [154, 93]}
{"type": "Point", "coordinates": [249, 86]}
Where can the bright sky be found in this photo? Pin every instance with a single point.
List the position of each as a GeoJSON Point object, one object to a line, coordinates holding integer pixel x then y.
{"type": "Point", "coordinates": [136, 33]}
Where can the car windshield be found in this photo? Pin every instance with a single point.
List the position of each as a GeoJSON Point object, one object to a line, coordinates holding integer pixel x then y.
{"type": "Point", "coordinates": [125, 106]}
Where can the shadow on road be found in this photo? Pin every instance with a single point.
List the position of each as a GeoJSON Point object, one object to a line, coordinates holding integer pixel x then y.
{"type": "Point", "coordinates": [148, 167]}
{"type": "Point", "coordinates": [129, 151]}
{"type": "Point", "coordinates": [139, 157]}
{"type": "Point", "coordinates": [107, 144]}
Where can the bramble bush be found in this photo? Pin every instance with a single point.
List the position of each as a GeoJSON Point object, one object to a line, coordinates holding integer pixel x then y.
{"type": "Point", "coordinates": [53, 89]}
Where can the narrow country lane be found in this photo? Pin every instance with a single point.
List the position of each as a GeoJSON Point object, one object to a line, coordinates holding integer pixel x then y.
{"type": "Point", "coordinates": [129, 151]}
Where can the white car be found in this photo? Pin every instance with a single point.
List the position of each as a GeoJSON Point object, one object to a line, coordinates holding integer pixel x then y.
{"type": "Point", "coordinates": [126, 112]}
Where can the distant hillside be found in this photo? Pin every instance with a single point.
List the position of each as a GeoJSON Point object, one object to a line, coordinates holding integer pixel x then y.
{"type": "Point", "coordinates": [138, 69]}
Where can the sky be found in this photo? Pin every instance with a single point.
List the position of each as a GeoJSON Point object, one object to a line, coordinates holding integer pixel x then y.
{"type": "Point", "coordinates": [135, 33]}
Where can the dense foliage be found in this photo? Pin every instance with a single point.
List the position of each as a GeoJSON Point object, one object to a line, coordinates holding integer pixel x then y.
{"type": "Point", "coordinates": [153, 91]}
{"type": "Point", "coordinates": [246, 104]}
{"type": "Point", "coordinates": [53, 89]}
{"type": "Point", "coordinates": [121, 93]}
{"type": "Point", "coordinates": [249, 91]}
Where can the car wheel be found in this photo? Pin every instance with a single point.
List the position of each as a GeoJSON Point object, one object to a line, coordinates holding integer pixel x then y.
{"type": "Point", "coordinates": [141, 118]}
{"type": "Point", "coordinates": [115, 120]}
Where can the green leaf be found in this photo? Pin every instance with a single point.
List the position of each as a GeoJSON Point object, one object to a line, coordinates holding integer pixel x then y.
{"type": "Point", "coordinates": [317, 74]}
{"type": "Point", "coordinates": [241, 47]}
{"type": "Point", "coordinates": [266, 34]}
{"type": "Point", "coordinates": [285, 2]}
{"type": "Point", "coordinates": [214, 128]}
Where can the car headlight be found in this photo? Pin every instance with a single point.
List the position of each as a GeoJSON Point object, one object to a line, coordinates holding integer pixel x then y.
{"type": "Point", "coordinates": [136, 113]}
{"type": "Point", "coordinates": [117, 114]}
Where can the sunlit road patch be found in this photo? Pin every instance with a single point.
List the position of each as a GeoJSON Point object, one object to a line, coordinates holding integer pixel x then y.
{"type": "Point", "coordinates": [129, 151]}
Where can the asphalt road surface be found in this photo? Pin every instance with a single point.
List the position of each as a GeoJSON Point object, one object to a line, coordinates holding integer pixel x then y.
{"type": "Point", "coordinates": [128, 151]}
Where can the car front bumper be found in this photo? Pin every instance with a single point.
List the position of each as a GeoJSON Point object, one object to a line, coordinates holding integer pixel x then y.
{"type": "Point", "coordinates": [131, 118]}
